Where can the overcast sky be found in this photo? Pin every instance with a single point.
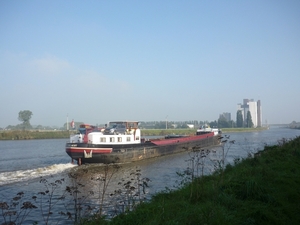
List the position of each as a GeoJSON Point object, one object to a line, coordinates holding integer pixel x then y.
{"type": "Point", "coordinates": [97, 61]}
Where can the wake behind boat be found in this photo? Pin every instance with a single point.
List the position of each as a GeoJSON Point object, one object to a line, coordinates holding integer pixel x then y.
{"type": "Point", "coordinates": [30, 174]}
{"type": "Point", "coordinates": [121, 142]}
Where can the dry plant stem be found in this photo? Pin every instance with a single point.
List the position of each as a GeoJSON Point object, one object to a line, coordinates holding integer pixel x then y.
{"type": "Point", "coordinates": [109, 171]}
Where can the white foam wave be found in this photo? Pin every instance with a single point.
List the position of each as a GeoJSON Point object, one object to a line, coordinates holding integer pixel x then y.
{"type": "Point", "coordinates": [24, 175]}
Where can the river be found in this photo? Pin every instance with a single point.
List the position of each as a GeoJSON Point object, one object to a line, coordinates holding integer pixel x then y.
{"type": "Point", "coordinates": [24, 162]}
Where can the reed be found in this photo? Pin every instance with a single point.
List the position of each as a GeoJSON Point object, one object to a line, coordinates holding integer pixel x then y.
{"type": "Point", "coordinates": [78, 195]}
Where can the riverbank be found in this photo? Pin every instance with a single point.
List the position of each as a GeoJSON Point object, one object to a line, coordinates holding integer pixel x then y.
{"type": "Point", "coordinates": [162, 132]}
{"type": "Point", "coordinates": [263, 189]}
{"type": "Point", "coordinates": [35, 134]}
{"type": "Point", "coordinates": [53, 134]}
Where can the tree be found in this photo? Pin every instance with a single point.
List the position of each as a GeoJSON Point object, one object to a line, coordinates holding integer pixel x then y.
{"type": "Point", "coordinates": [222, 122]}
{"type": "Point", "coordinates": [249, 122]}
{"type": "Point", "coordinates": [213, 124]}
{"type": "Point", "coordinates": [239, 118]}
{"type": "Point", "coordinates": [25, 117]}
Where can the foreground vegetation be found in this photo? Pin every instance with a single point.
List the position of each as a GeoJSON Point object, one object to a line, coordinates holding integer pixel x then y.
{"type": "Point", "coordinates": [263, 189]}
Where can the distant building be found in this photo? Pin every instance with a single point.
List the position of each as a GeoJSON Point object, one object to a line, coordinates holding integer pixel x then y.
{"type": "Point", "coordinates": [255, 110]}
{"type": "Point", "coordinates": [225, 115]}
{"type": "Point", "coordinates": [259, 114]}
{"type": "Point", "coordinates": [191, 126]}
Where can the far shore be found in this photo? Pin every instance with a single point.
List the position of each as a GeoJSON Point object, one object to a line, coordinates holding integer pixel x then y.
{"type": "Point", "coordinates": [58, 134]}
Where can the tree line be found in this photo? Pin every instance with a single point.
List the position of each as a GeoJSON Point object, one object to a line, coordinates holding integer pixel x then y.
{"type": "Point", "coordinates": [25, 116]}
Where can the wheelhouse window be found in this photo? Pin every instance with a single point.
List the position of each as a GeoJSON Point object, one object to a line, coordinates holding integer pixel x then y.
{"type": "Point", "coordinates": [128, 139]}
{"type": "Point", "coordinates": [119, 139]}
{"type": "Point", "coordinates": [137, 138]}
{"type": "Point", "coordinates": [82, 130]}
{"type": "Point", "coordinates": [112, 139]}
{"type": "Point", "coordinates": [102, 139]}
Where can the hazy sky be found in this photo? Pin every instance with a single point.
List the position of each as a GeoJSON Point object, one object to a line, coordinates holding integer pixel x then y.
{"type": "Point", "coordinates": [97, 61]}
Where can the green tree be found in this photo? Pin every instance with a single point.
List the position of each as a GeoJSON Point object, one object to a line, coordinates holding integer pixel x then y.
{"type": "Point", "coordinates": [213, 124]}
{"type": "Point", "coordinates": [25, 117]}
{"type": "Point", "coordinates": [249, 122]}
{"type": "Point", "coordinates": [161, 125]}
{"type": "Point", "coordinates": [223, 123]}
{"type": "Point", "coordinates": [239, 118]}
{"type": "Point", "coordinates": [183, 126]}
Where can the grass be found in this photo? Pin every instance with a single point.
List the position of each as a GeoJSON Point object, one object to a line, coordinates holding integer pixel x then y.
{"type": "Point", "coordinates": [33, 134]}
{"type": "Point", "coordinates": [260, 190]}
{"type": "Point", "coordinates": [162, 132]}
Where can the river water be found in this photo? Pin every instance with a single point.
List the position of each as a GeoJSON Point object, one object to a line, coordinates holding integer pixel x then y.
{"type": "Point", "coordinates": [24, 162]}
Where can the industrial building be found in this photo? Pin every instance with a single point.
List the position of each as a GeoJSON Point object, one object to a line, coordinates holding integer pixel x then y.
{"type": "Point", "coordinates": [255, 110]}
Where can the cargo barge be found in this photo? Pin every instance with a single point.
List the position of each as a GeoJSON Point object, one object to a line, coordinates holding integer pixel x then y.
{"type": "Point", "coordinates": [121, 142]}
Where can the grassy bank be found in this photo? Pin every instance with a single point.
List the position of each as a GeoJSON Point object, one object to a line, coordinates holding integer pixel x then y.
{"type": "Point", "coordinates": [162, 132]}
{"type": "Point", "coordinates": [259, 190]}
{"type": "Point", "coordinates": [26, 135]}
{"type": "Point", "coordinates": [228, 130]}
